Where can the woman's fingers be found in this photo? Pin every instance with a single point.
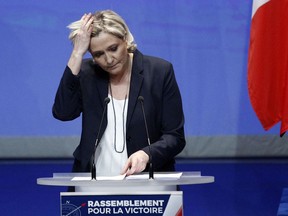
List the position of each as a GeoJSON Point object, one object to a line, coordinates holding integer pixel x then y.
{"type": "Point", "coordinates": [87, 20]}
{"type": "Point", "coordinates": [136, 163]}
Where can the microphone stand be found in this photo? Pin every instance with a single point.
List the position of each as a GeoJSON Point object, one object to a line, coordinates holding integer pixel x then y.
{"type": "Point", "coordinates": [151, 170]}
{"type": "Point", "coordinates": [93, 167]}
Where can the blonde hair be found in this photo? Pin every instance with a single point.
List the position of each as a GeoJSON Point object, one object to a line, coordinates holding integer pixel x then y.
{"type": "Point", "coordinates": [109, 22]}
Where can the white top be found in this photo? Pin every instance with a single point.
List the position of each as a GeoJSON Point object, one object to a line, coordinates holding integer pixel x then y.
{"type": "Point", "coordinates": [109, 161]}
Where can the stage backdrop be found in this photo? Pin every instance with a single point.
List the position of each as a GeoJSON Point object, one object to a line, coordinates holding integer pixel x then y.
{"type": "Point", "coordinates": [207, 42]}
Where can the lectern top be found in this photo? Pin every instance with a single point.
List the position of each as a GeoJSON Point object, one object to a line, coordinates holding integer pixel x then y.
{"type": "Point", "coordinates": [68, 179]}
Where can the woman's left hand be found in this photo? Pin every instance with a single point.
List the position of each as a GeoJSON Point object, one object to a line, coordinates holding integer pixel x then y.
{"type": "Point", "coordinates": [136, 163]}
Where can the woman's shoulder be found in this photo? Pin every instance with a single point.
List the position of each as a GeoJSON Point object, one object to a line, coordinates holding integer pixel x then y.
{"type": "Point", "coordinates": [154, 60]}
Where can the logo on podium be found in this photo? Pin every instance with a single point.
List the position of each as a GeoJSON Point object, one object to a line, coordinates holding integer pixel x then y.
{"type": "Point", "coordinates": [71, 209]}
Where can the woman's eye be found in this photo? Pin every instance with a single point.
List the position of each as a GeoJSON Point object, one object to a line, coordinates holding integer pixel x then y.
{"type": "Point", "coordinates": [114, 48]}
{"type": "Point", "coordinates": [97, 55]}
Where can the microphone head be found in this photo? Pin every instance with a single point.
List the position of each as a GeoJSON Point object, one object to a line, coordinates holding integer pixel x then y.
{"type": "Point", "coordinates": [106, 100]}
{"type": "Point", "coordinates": [141, 98]}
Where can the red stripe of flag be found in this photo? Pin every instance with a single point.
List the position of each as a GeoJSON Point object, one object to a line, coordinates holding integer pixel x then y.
{"type": "Point", "coordinates": [268, 63]}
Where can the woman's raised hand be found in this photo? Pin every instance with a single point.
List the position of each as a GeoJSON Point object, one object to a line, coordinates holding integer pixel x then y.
{"type": "Point", "coordinates": [82, 38]}
{"type": "Point", "coordinates": [81, 43]}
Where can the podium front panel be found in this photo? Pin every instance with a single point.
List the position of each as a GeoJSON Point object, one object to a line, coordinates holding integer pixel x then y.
{"type": "Point", "coordinates": [129, 203]}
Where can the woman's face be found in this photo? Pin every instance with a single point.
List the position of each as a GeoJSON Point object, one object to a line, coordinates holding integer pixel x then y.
{"type": "Point", "coordinates": [110, 53]}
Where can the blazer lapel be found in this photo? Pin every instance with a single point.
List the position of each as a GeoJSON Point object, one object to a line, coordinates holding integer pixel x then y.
{"type": "Point", "coordinates": [135, 84]}
{"type": "Point", "coordinates": [102, 85]}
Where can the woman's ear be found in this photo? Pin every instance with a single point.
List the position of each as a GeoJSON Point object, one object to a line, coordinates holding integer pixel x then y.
{"type": "Point", "coordinates": [126, 44]}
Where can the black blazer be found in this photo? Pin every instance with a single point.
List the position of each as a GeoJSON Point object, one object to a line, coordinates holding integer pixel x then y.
{"type": "Point", "coordinates": [154, 79]}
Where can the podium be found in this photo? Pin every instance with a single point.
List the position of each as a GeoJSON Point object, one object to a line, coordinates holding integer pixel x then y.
{"type": "Point", "coordinates": [129, 196]}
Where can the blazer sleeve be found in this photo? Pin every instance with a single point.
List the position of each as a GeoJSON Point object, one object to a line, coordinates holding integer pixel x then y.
{"type": "Point", "coordinates": [172, 139]}
{"type": "Point", "coordinates": [67, 103]}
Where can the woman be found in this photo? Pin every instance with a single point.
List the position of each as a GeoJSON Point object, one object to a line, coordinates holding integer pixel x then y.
{"type": "Point", "coordinates": [119, 71]}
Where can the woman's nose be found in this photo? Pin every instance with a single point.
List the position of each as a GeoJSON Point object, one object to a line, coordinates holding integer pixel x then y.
{"type": "Point", "coordinates": [109, 59]}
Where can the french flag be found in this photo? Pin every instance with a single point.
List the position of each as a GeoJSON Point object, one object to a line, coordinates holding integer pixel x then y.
{"type": "Point", "coordinates": [268, 63]}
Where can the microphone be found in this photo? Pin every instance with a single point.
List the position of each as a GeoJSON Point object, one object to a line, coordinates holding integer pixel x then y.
{"type": "Point", "coordinates": [151, 171]}
{"type": "Point", "coordinates": [93, 168]}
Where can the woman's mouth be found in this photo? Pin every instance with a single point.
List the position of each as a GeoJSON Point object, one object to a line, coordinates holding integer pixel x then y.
{"type": "Point", "coordinates": [112, 66]}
